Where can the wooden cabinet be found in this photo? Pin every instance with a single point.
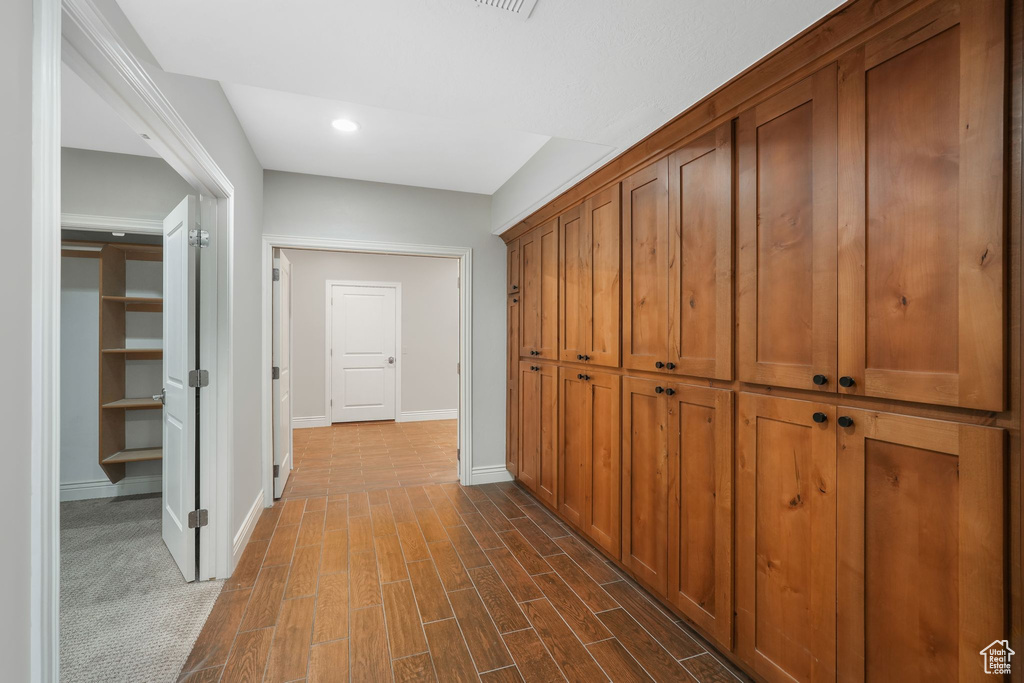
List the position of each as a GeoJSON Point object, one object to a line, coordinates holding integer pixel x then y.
{"type": "Point", "coordinates": [645, 267]}
{"type": "Point", "coordinates": [538, 252]}
{"type": "Point", "coordinates": [677, 496]}
{"type": "Point", "coordinates": [921, 200]}
{"type": "Point", "coordinates": [786, 538]}
{"type": "Point", "coordinates": [512, 387]}
{"type": "Point", "coordinates": [700, 257]}
{"type": "Point", "coordinates": [538, 429]}
{"type": "Point", "coordinates": [512, 271]}
{"type": "Point", "coordinates": [589, 295]}
{"type": "Point", "coordinates": [589, 454]}
{"type": "Point", "coordinates": [700, 463]}
{"type": "Point", "coordinates": [787, 234]}
{"type": "Point", "coordinates": [922, 531]}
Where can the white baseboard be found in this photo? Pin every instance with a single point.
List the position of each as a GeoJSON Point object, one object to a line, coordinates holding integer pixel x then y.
{"type": "Point", "coordinates": [245, 531]}
{"type": "Point", "coordinates": [102, 488]}
{"type": "Point", "coordinates": [307, 422]}
{"type": "Point", "coordinates": [424, 415]}
{"type": "Point", "coordinates": [489, 475]}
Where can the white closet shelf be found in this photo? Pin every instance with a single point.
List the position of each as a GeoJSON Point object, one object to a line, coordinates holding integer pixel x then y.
{"type": "Point", "coordinates": [134, 455]}
{"type": "Point", "coordinates": [134, 404]}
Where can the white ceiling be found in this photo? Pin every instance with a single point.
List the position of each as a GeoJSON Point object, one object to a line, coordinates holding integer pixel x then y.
{"type": "Point", "coordinates": [599, 71]}
{"type": "Point", "coordinates": [88, 122]}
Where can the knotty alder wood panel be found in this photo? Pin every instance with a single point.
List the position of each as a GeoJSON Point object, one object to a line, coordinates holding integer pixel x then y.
{"type": "Point", "coordinates": [787, 236]}
{"type": "Point", "coordinates": [921, 130]}
{"type": "Point", "coordinates": [922, 515]}
{"type": "Point", "coordinates": [513, 267]}
{"type": "Point", "coordinates": [589, 454]}
{"type": "Point", "coordinates": [786, 538]}
{"type": "Point", "coordinates": [538, 429]}
{"type": "Point", "coordinates": [539, 281]}
{"type": "Point", "coordinates": [512, 386]}
{"type": "Point", "coordinates": [589, 280]}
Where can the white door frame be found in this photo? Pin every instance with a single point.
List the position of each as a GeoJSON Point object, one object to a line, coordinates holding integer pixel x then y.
{"type": "Point", "coordinates": [329, 343]}
{"type": "Point", "coordinates": [77, 32]}
{"type": "Point", "coordinates": [465, 257]}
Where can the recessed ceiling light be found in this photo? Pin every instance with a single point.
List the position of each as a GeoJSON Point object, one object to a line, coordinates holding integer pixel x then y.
{"type": "Point", "coordinates": [345, 125]}
{"type": "Point", "coordinates": [117, 234]}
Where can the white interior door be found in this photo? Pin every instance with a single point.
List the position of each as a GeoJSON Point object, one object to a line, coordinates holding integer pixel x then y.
{"type": "Point", "coordinates": [179, 414]}
{"type": "Point", "coordinates": [283, 383]}
{"type": "Point", "coordinates": [364, 322]}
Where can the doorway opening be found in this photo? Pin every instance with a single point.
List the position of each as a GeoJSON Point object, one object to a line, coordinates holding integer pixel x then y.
{"type": "Point", "coordinates": [368, 356]}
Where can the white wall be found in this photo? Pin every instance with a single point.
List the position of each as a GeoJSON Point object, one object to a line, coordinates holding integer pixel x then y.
{"type": "Point", "coordinates": [314, 206]}
{"type": "Point", "coordinates": [430, 326]}
{"type": "Point", "coordinates": [15, 342]}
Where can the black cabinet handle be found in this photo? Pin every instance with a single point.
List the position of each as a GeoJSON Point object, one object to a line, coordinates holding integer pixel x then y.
{"type": "Point", "coordinates": [515, 301]}
{"type": "Point", "coordinates": [658, 390]}
{"type": "Point", "coordinates": [670, 392]}
{"type": "Point", "coordinates": [659, 364]}
{"type": "Point", "coordinates": [846, 381]}
{"type": "Point", "coordinates": [535, 368]}
{"type": "Point", "coordinates": [579, 376]}
{"type": "Point", "coordinates": [586, 378]}
{"type": "Point", "coordinates": [579, 356]}
{"type": "Point", "coordinates": [670, 366]}
{"type": "Point", "coordinates": [515, 286]}
{"type": "Point", "coordinates": [819, 417]}
{"type": "Point", "coordinates": [586, 357]}
{"type": "Point", "coordinates": [845, 421]}
{"type": "Point", "coordinates": [820, 380]}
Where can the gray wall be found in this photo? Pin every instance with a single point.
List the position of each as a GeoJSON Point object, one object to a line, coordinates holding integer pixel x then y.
{"type": "Point", "coordinates": [430, 325]}
{"type": "Point", "coordinates": [120, 185]}
{"type": "Point", "coordinates": [15, 342]}
{"type": "Point", "coordinates": [315, 206]}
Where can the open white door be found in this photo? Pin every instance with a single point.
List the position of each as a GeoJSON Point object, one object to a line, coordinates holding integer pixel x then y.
{"type": "Point", "coordinates": [364, 321]}
{"type": "Point", "coordinates": [179, 414]}
{"type": "Point", "coordinates": [283, 380]}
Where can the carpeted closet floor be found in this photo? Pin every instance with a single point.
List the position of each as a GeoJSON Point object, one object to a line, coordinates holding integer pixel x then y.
{"type": "Point", "coordinates": [126, 613]}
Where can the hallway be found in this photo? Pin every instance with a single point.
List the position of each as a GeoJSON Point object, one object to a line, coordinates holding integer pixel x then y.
{"type": "Point", "coordinates": [377, 564]}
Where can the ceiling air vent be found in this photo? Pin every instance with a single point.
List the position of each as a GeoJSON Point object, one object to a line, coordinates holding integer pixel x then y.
{"type": "Point", "coordinates": [520, 9]}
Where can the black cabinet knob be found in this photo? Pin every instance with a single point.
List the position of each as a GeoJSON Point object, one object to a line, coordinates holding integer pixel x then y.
{"type": "Point", "coordinates": [586, 357]}
{"type": "Point", "coordinates": [515, 301]}
{"type": "Point", "coordinates": [846, 381]}
{"type": "Point", "coordinates": [670, 392]}
{"type": "Point", "coordinates": [670, 366]}
{"type": "Point", "coordinates": [659, 364]}
{"type": "Point", "coordinates": [845, 421]}
{"type": "Point", "coordinates": [820, 380]}
{"type": "Point", "coordinates": [579, 356]}
{"type": "Point", "coordinates": [579, 376]}
{"type": "Point", "coordinates": [586, 378]}
{"type": "Point", "coordinates": [819, 417]}
{"type": "Point", "coordinates": [658, 390]}
{"type": "Point", "coordinates": [515, 286]}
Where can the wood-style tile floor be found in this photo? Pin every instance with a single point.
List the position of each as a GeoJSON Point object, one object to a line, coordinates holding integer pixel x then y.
{"type": "Point", "coordinates": [368, 570]}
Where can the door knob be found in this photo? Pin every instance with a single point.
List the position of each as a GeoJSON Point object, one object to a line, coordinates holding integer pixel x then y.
{"type": "Point", "coordinates": [845, 421]}
{"type": "Point", "coordinates": [391, 360]}
{"type": "Point", "coordinates": [846, 381]}
{"type": "Point", "coordinates": [819, 417]}
{"type": "Point", "coordinates": [658, 390]}
{"type": "Point", "coordinates": [162, 397]}
{"type": "Point", "coordinates": [820, 380]}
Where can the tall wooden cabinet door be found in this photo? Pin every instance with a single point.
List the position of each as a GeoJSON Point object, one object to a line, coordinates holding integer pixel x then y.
{"type": "Point", "coordinates": [700, 460]}
{"type": "Point", "coordinates": [602, 223]}
{"type": "Point", "coordinates": [538, 252]}
{"type": "Point", "coordinates": [573, 285]}
{"type": "Point", "coordinates": [786, 538]}
{"type": "Point", "coordinates": [922, 536]}
{"type": "Point", "coordinates": [512, 388]}
{"type": "Point", "coordinates": [787, 236]}
{"type": "Point", "coordinates": [645, 483]}
{"type": "Point", "coordinates": [700, 256]}
{"type": "Point", "coordinates": [921, 251]}
{"type": "Point", "coordinates": [573, 444]}
{"type": "Point", "coordinates": [645, 267]}
{"type": "Point", "coordinates": [602, 521]}
{"type": "Point", "coordinates": [513, 267]}
{"type": "Point", "coordinates": [538, 429]}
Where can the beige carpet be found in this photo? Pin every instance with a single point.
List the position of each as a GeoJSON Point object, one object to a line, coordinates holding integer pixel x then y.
{"type": "Point", "coordinates": [126, 613]}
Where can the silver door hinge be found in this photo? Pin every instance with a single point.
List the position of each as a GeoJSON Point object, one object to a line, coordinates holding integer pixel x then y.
{"type": "Point", "coordinates": [198, 378]}
{"type": "Point", "coordinates": [198, 518]}
{"type": "Point", "coordinates": [275, 372]}
{"type": "Point", "coordinates": [276, 274]}
{"type": "Point", "coordinates": [277, 470]}
{"type": "Point", "coordinates": [458, 368]}
{"type": "Point", "coordinates": [199, 238]}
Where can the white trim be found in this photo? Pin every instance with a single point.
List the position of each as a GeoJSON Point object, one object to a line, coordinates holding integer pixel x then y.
{"type": "Point", "coordinates": [329, 340]}
{"type": "Point", "coordinates": [245, 531]}
{"type": "Point", "coordinates": [82, 221]}
{"type": "Point", "coordinates": [490, 475]}
{"type": "Point", "coordinates": [465, 256]}
{"type": "Point", "coordinates": [102, 488]}
{"type": "Point", "coordinates": [310, 422]}
{"type": "Point", "coordinates": [425, 415]}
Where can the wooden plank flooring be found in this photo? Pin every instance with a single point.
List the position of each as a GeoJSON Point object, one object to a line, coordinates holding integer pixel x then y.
{"type": "Point", "coordinates": [377, 565]}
